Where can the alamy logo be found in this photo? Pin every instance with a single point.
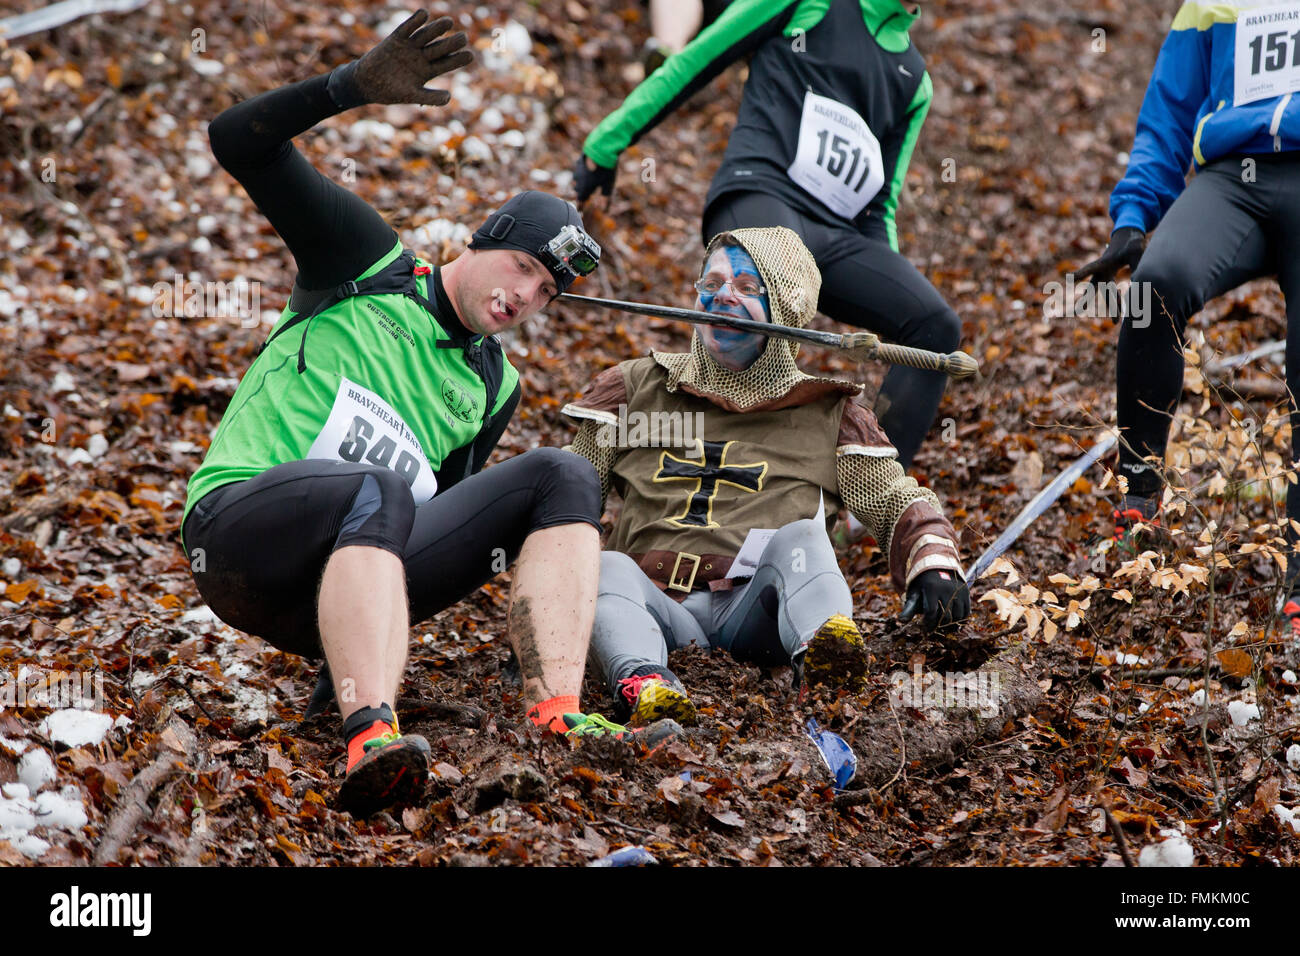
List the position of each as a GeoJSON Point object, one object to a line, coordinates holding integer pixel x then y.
{"type": "Point", "coordinates": [73, 909]}
{"type": "Point", "coordinates": [185, 299]}
{"type": "Point", "coordinates": [638, 429]}
{"type": "Point", "coordinates": [1093, 300]}
{"type": "Point", "coordinates": [978, 690]}
{"type": "Point", "coordinates": [58, 689]}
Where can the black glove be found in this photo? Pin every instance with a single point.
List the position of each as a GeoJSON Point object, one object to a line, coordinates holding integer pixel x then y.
{"type": "Point", "coordinates": [1124, 249]}
{"type": "Point", "coordinates": [942, 595]}
{"type": "Point", "coordinates": [586, 181]}
{"type": "Point", "coordinates": [396, 70]}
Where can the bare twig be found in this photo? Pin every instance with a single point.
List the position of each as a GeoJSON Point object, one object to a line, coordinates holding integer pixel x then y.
{"type": "Point", "coordinates": [1118, 835]}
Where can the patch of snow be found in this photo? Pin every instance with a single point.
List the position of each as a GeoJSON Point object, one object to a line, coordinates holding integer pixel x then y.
{"type": "Point", "coordinates": [510, 44]}
{"type": "Point", "coordinates": [163, 125]}
{"type": "Point", "coordinates": [371, 129]}
{"type": "Point", "coordinates": [206, 225]}
{"type": "Point", "coordinates": [97, 445]}
{"type": "Point", "coordinates": [15, 791]}
{"type": "Point", "coordinates": [237, 669]}
{"type": "Point", "coordinates": [1287, 815]}
{"type": "Point", "coordinates": [78, 456]}
{"type": "Point", "coordinates": [395, 20]}
{"type": "Point", "coordinates": [206, 67]}
{"type": "Point", "coordinates": [198, 165]}
{"type": "Point", "coordinates": [1293, 756]}
{"type": "Point", "coordinates": [76, 728]}
{"type": "Point", "coordinates": [1175, 851]}
{"type": "Point", "coordinates": [515, 139]}
{"type": "Point", "coordinates": [36, 769]}
{"type": "Point", "coordinates": [475, 149]}
{"type": "Point", "coordinates": [199, 615]}
{"type": "Point", "coordinates": [1288, 676]}
{"type": "Point", "coordinates": [1242, 713]}
{"type": "Point", "coordinates": [62, 810]}
{"type": "Point", "coordinates": [437, 231]}
{"type": "Point", "coordinates": [1197, 698]}
{"type": "Point", "coordinates": [12, 568]}
{"type": "Point", "coordinates": [32, 847]}
{"type": "Point", "coordinates": [63, 382]}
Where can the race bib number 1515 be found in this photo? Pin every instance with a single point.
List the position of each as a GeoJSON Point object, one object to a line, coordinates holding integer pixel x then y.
{"type": "Point", "coordinates": [362, 427]}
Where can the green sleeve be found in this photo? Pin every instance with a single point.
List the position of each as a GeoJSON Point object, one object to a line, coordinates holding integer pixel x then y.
{"type": "Point", "coordinates": [740, 30]}
{"type": "Point", "coordinates": [916, 112]}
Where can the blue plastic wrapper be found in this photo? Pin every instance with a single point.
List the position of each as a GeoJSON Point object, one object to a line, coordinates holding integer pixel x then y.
{"type": "Point", "coordinates": [839, 756]}
{"type": "Point", "coordinates": [628, 856]}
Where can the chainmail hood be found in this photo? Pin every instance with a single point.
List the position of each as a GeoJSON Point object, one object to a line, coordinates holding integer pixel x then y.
{"type": "Point", "coordinates": [793, 282]}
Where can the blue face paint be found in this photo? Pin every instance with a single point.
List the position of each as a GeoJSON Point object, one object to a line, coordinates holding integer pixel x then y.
{"type": "Point", "coordinates": [733, 348]}
{"type": "Point", "coordinates": [742, 264]}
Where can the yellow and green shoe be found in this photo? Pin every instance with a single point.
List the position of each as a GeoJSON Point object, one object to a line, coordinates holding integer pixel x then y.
{"type": "Point", "coordinates": [836, 656]}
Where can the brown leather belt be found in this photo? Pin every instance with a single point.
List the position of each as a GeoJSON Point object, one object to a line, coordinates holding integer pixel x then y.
{"type": "Point", "coordinates": [683, 572]}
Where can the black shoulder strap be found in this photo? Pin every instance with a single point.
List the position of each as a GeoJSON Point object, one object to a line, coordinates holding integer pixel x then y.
{"type": "Point", "coordinates": [397, 277]}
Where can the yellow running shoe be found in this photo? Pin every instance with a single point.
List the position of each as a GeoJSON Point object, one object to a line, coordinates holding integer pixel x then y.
{"type": "Point", "coordinates": [836, 656]}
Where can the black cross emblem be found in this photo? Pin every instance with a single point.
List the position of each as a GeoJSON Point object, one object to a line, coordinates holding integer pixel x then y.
{"type": "Point", "coordinates": [710, 471]}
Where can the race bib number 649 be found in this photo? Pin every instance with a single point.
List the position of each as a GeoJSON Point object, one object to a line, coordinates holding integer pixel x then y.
{"type": "Point", "coordinates": [838, 160]}
{"type": "Point", "coordinates": [363, 428]}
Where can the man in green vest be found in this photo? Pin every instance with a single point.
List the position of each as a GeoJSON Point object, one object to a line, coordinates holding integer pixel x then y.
{"type": "Point", "coordinates": [729, 459]}
{"type": "Point", "coordinates": [341, 497]}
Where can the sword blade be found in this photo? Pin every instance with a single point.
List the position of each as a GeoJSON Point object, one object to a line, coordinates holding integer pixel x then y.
{"type": "Point", "coordinates": [1040, 503]}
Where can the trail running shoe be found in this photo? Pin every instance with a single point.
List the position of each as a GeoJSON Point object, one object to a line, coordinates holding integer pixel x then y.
{"type": "Point", "coordinates": [393, 770]}
{"type": "Point", "coordinates": [836, 656]}
{"type": "Point", "coordinates": [656, 695]}
{"type": "Point", "coordinates": [594, 725]}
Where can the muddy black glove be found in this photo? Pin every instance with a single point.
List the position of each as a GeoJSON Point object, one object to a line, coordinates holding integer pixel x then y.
{"type": "Point", "coordinates": [396, 70]}
{"type": "Point", "coordinates": [943, 597]}
{"type": "Point", "coordinates": [587, 181]}
{"type": "Point", "coordinates": [1124, 249]}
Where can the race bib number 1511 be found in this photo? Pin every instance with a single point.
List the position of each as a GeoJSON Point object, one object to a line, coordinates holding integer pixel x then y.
{"type": "Point", "coordinates": [839, 160]}
{"type": "Point", "coordinates": [362, 427]}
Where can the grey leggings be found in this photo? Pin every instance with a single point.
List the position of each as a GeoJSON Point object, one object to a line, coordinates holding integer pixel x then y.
{"type": "Point", "coordinates": [767, 621]}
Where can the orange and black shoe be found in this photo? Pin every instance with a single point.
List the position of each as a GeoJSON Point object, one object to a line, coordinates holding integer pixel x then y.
{"type": "Point", "coordinates": [1133, 532]}
{"type": "Point", "coordinates": [653, 693]}
{"type": "Point", "coordinates": [1291, 620]}
{"type": "Point", "coordinates": [385, 766]}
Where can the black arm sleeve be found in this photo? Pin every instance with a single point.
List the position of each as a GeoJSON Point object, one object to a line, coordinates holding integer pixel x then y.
{"type": "Point", "coordinates": [333, 234]}
{"type": "Point", "coordinates": [742, 29]}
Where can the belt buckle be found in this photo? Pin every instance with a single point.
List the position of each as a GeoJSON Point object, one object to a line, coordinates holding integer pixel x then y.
{"type": "Point", "coordinates": [690, 583]}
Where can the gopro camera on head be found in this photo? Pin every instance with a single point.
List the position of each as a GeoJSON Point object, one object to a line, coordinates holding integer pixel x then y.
{"type": "Point", "coordinates": [572, 251]}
